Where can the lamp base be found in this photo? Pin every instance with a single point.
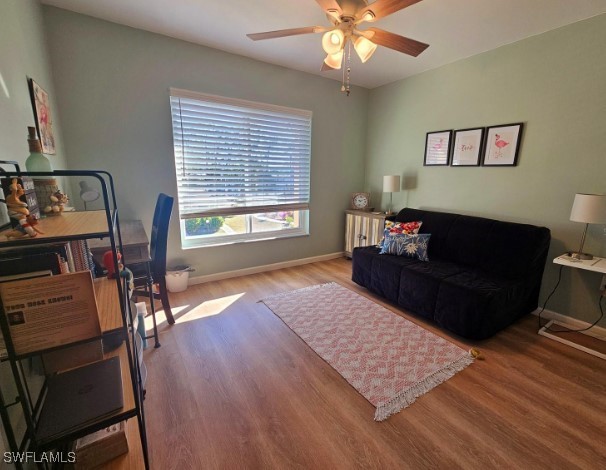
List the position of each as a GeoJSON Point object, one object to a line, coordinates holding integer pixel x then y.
{"type": "Point", "coordinates": [581, 256]}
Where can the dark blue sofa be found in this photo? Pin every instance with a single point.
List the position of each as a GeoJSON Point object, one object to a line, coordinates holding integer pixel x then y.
{"type": "Point", "coordinates": [482, 274]}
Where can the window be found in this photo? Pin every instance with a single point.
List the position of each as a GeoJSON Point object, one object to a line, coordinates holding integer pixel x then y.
{"type": "Point", "coordinates": [242, 169]}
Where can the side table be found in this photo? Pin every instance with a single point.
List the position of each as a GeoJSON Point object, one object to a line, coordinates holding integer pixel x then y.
{"type": "Point", "coordinates": [597, 265]}
{"type": "Point", "coordinates": [363, 228]}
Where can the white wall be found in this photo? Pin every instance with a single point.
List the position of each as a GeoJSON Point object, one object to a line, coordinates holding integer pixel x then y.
{"type": "Point", "coordinates": [112, 84]}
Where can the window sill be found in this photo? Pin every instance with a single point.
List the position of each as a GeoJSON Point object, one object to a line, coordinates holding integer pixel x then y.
{"type": "Point", "coordinates": [237, 240]}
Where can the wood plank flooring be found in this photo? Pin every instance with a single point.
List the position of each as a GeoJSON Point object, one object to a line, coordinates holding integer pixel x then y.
{"type": "Point", "coordinates": [232, 387]}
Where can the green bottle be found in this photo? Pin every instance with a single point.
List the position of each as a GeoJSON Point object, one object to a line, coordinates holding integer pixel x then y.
{"type": "Point", "coordinates": [36, 160]}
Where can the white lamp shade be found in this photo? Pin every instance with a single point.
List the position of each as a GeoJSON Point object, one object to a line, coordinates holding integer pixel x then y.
{"type": "Point", "coordinates": [589, 208]}
{"type": "Point", "coordinates": [87, 192]}
{"type": "Point", "coordinates": [334, 60]}
{"type": "Point", "coordinates": [364, 48]}
{"type": "Point", "coordinates": [332, 41]}
{"type": "Point", "coordinates": [391, 184]}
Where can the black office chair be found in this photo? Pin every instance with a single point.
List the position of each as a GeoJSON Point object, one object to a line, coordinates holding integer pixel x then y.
{"type": "Point", "coordinates": [154, 271]}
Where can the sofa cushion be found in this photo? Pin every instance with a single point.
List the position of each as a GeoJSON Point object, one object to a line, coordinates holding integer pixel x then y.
{"type": "Point", "coordinates": [466, 242]}
{"type": "Point", "coordinates": [362, 259]}
{"type": "Point", "coordinates": [515, 249]}
{"type": "Point", "coordinates": [385, 275]}
{"type": "Point", "coordinates": [476, 305]}
{"type": "Point", "coordinates": [419, 284]}
{"type": "Point", "coordinates": [411, 246]}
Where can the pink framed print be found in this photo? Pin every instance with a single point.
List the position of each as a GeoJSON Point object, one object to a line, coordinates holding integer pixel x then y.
{"type": "Point", "coordinates": [467, 147]}
{"type": "Point", "coordinates": [502, 145]}
{"type": "Point", "coordinates": [437, 148]}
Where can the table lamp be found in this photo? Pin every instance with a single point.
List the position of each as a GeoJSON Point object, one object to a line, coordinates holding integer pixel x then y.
{"type": "Point", "coordinates": [391, 184]}
{"type": "Point", "coordinates": [588, 209]}
{"type": "Point", "coordinates": [88, 193]}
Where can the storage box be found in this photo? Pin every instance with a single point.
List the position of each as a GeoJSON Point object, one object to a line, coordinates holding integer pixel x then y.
{"type": "Point", "coordinates": [100, 447]}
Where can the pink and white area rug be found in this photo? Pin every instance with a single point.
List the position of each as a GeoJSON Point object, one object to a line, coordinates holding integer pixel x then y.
{"type": "Point", "coordinates": [386, 358]}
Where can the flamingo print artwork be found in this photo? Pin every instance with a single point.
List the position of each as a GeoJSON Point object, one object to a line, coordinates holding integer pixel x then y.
{"type": "Point", "coordinates": [437, 147]}
{"type": "Point", "coordinates": [500, 144]}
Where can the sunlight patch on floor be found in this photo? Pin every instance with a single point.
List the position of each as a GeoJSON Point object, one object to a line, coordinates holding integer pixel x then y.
{"type": "Point", "coordinates": [160, 317]}
{"type": "Point", "coordinates": [209, 308]}
{"type": "Point", "coordinates": [185, 313]}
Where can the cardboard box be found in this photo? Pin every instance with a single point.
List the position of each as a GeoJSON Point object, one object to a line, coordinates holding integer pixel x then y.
{"type": "Point", "coordinates": [98, 448]}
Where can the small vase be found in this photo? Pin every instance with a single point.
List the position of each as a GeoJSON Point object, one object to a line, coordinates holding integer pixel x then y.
{"type": "Point", "coordinates": [36, 160]}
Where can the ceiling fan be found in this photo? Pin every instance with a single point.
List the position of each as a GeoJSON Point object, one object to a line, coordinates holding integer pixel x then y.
{"type": "Point", "coordinates": [346, 16]}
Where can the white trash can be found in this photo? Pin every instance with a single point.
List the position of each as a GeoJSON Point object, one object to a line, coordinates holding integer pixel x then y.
{"type": "Point", "coordinates": [177, 278]}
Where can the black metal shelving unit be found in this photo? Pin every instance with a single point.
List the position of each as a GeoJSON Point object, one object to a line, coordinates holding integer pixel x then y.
{"type": "Point", "coordinates": [127, 349]}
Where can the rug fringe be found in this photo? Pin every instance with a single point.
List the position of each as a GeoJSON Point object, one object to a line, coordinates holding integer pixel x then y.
{"type": "Point", "coordinates": [407, 397]}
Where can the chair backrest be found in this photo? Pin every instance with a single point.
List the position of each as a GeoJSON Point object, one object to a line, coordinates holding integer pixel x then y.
{"type": "Point", "coordinates": [159, 235]}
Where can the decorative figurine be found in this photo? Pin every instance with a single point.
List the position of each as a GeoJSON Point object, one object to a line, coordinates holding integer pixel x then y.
{"type": "Point", "coordinates": [122, 271]}
{"type": "Point", "coordinates": [58, 201]}
{"type": "Point", "coordinates": [108, 262]}
{"type": "Point", "coordinates": [17, 210]}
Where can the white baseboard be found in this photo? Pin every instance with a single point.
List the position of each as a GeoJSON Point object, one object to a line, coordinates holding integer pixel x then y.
{"type": "Point", "coordinates": [261, 269]}
{"type": "Point", "coordinates": [573, 323]}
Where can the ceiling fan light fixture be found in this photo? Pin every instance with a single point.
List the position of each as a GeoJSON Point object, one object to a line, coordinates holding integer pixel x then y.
{"type": "Point", "coordinates": [365, 48]}
{"type": "Point", "coordinates": [334, 61]}
{"type": "Point", "coordinates": [332, 41]}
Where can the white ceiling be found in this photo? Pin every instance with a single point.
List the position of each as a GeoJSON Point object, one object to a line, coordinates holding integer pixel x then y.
{"type": "Point", "coordinates": [454, 29]}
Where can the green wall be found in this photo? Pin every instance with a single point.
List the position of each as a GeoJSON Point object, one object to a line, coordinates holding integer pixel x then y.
{"type": "Point", "coordinates": [112, 82]}
{"type": "Point", "coordinates": [556, 84]}
{"type": "Point", "coordinates": [112, 87]}
{"type": "Point", "coordinates": [23, 53]}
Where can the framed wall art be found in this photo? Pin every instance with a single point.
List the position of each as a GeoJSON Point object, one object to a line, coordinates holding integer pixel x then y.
{"type": "Point", "coordinates": [502, 144]}
{"type": "Point", "coordinates": [42, 114]}
{"type": "Point", "coordinates": [467, 147]}
{"type": "Point", "coordinates": [437, 148]}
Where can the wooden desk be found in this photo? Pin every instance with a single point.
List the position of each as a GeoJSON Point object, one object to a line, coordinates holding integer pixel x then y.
{"type": "Point", "coordinates": [135, 243]}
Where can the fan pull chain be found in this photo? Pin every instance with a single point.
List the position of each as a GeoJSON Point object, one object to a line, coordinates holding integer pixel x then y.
{"type": "Point", "coordinates": [345, 87]}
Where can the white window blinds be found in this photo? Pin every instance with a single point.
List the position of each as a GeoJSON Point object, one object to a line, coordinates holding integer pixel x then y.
{"type": "Point", "coordinates": [239, 157]}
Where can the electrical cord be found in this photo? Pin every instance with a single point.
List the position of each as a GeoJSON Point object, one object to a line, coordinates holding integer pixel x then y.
{"type": "Point", "coordinates": [567, 330]}
{"type": "Point", "coordinates": [550, 295]}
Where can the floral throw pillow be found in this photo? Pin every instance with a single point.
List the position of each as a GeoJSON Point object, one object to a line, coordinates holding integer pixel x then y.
{"type": "Point", "coordinates": [411, 246]}
{"type": "Point", "coordinates": [409, 228]}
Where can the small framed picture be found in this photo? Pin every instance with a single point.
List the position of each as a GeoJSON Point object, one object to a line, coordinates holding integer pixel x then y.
{"type": "Point", "coordinates": [502, 144]}
{"type": "Point", "coordinates": [42, 114]}
{"type": "Point", "coordinates": [467, 147]}
{"type": "Point", "coordinates": [437, 148]}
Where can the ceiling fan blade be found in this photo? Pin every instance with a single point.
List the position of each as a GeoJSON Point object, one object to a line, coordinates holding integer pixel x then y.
{"type": "Point", "coordinates": [395, 42]}
{"type": "Point", "coordinates": [287, 32]}
{"type": "Point", "coordinates": [382, 8]}
{"type": "Point", "coordinates": [326, 67]}
{"type": "Point", "coordinates": [327, 5]}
